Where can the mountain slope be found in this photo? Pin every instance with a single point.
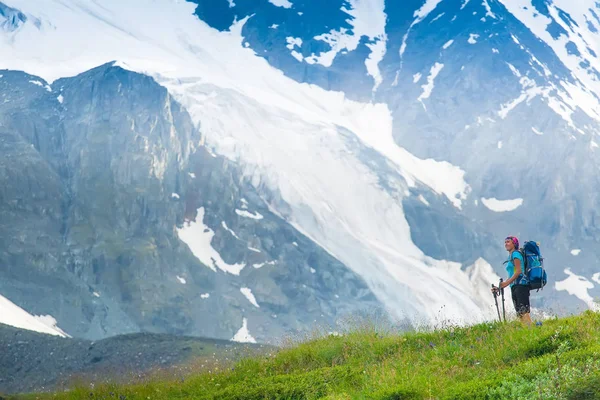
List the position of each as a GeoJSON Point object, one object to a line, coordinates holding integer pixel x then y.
{"type": "Point", "coordinates": [558, 360]}
{"type": "Point", "coordinates": [420, 79]}
{"type": "Point", "coordinates": [102, 237]}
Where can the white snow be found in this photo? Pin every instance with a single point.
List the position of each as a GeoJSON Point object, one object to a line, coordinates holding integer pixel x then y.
{"type": "Point", "coordinates": [248, 293]}
{"type": "Point", "coordinates": [438, 17]}
{"type": "Point", "coordinates": [502, 205]}
{"type": "Point", "coordinates": [417, 77]}
{"type": "Point", "coordinates": [224, 225]}
{"type": "Point", "coordinates": [281, 3]}
{"type": "Point", "coordinates": [288, 138]}
{"type": "Point", "coordinates": [260, 265]}
{"type": "Point", "coordinates": [500, 144]}
{"type": "Point", "coordinates": [198, 238]}
{"type": "Point", "coordinates": [423, 200]}
{"type": "Point", "coordinates": [60, 98]}
{"type": "Point", "coordinates": [246, 214]}
{"type": "Point", "coordinates": [254, 250]}
{"type": "Point", "coordinates": [495, 51]}
{"type": "Point", "coordinates": [447, 44]}
{"type": "Point", "coordinates": [181, 280]}
{"type": "Point", "coordinates": [575, 252]}
{"type": "Point", "coordinates": [293, 42]}
{"type": "Point", "coordinates": [473, 38]}
{"type": "Point", "coordinates": [464, 4]}
{"type": "Point", "coordinates": [514, 70]}
{"type": "Point", "coordinates": [368, 19]}
{"type": "Point", "coordinates": [536, 131]}
{"type": "Point", "coordinates": [274, 26]}
{"type": "Point", "coordinates": [295, 244]}
{"type": "Point", "coordinates": [192, 175]}
{"type": "Point", "coordinates": [96, 294]}
{"type": "Point", "coordinates": [175, 195]}
{"type": "Point", "coordinates": [13, 315]}
{"type": "Point", "coordinates": [243, 335]}
{"type": "Point", "coordinates": [428, 87]}
{"type": "Point", "coordinates": [312, 270]}
{"type": "Point", "coordinates": [205, 295]}
{"type": "Point", "coordinates": [596, 277]}
{"type": "Point", "coordinates": [593, 144]}
{"type": "Point", "coordinates": [488, 10]}
{"type": "Point", "coordinates": [38, 83]}
{"type": "Point", "coordinates": [578, 286]}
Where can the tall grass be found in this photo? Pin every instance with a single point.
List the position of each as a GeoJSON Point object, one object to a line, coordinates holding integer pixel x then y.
{"type": "Point", "coordinates": [557, 360]}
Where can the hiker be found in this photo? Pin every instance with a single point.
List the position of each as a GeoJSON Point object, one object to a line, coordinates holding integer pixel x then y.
{"type": "Point", "coordinates": [519, 285]}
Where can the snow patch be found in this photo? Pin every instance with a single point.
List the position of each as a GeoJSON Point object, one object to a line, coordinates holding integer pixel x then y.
{"type": "Point", "coordinates": [224, 225]}
{"type": "Point", "coordinates": [423, 200]}
{"type": "Point", "coordinates": [293, 42]}
{"type": "Point", "coordinates": [428, 87]}
{"type": "Point", "coordinates": [417, 77]}
{"type": "Point", "coordinates": [13, 315]}
{"type": "Point", "coordinates": [248, 293]}
{"type": "Point", "coordinates": [488, 10]}
{"type": "Point", "coordinates": [243, 335]}
{"type": "Point", "coordinates": [246, 214]}
{"type": "Point", "coordinates": [368, 20]}
{"type": "Point", "coordinates": [575, 252]}
{"type": "Point", "coordinates": [281, 3]}
{"type": "Point", "coordinates": [536, 131]}
{"type": "Point", "coordinates": [596, 277]}
{"type": "Point", "coordinates": [96, 294]}
{"type": "Point", "coordinates": [192, 175]}
{"type": "Point", "coordinates": [473, 38]}
{"type": "Point", "coordinates": [60, 98]}
{"type": "Point", "coordinates": [198, 238]}
{"type": "Point", "coordinates": [502, 205]}
{"type": "Point", "coordinates": [447, 44]}
{"type": "Point", "coordinates": [578, 286]}
{"type": "Point", "coordinates": [312, 270]}
{"type": "Point", "coordinates": [175, 195]}
{"type": "Point", "coordinates": [500, 144]}
{"type": "Point", "coordinates": [205, 295]}
{"type": "Point", "coordinates": [181, 280]}
{"type": "Point", "coordinates": [254, 250]}
{"type": "Point", "coordinates": [260, 265]}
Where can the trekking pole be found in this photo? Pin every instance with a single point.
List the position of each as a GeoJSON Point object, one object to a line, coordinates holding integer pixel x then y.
{"type": "Point", "coordinates": [496, 300]}
{"type": "Point", "coordinates": [502, 291]}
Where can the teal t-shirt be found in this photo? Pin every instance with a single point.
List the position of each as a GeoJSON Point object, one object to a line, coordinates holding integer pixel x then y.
{"type": "Point", "coordinates": [510, 268]}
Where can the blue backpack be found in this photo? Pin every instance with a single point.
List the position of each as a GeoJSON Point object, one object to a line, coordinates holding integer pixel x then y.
{"type": "Point", "coordinates": [534, 265]}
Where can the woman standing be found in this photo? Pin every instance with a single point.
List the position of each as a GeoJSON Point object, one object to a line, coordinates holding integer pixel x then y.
{"type": "Point", "coordinates": [519, 285]}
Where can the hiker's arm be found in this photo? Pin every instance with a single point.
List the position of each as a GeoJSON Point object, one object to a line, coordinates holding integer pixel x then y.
{"type": "Point", "coordinates": [517, 262]}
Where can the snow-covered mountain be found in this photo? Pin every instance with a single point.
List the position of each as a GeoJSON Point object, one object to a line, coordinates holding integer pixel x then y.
{"type": "Point", "coordinates": [406, 139]}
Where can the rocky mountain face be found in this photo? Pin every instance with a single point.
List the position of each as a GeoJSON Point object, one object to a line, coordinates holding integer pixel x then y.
{"type": "Point", "coordinates": [277, 164]}
{"type": "Point", "coordinates": [99, 173]}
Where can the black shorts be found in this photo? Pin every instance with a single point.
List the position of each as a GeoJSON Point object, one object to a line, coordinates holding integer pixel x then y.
{"type": "Point", "coordinates": [520, 296]}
